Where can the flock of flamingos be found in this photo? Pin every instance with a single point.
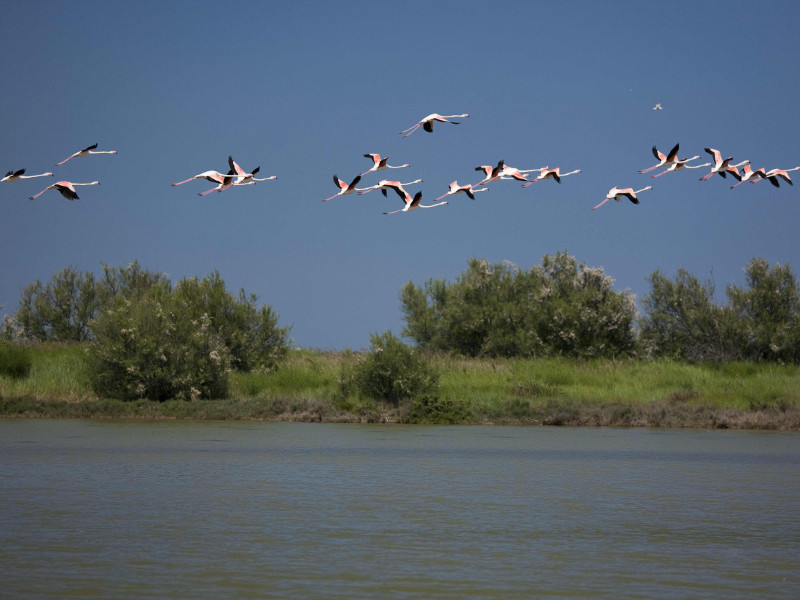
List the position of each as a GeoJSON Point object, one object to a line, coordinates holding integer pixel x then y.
{"type": "Point", "coordinates": [236, 176]}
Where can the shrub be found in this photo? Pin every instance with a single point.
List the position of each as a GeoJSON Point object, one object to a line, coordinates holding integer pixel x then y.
{"type": "Point", "coordinates": [157, 348]}
{"type": "Point", "coordinates": [15, 361]}
{"type": "Point", "coordinates": [438, 411]}
{"type": "Point", "coordinates": [393, 372]}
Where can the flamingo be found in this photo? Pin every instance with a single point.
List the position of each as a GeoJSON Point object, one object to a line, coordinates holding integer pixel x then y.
{"type": "Point", "coordinates": [344, 188]}
{"type": "Point", "coordinates": [385, 184]}
{"type": "Point", "coordinates": [723, 167]}
{"type": "Point", "coordinates": [773, 175]}
{"type": "Point", "coordinates": [12, 176]}
{"type": "Point", "coordinates": [212, 176]}
{"type": "Point", "coordinates": [617, 194]}
{"type": "Point", "coordinates": [469, 190]}
{"type": "Point", "coordinates": [548, 173]}
{"type": "Point", "coordinates": [413, 203]}
{"type": "Point", "coordinates": [427, 123]}
{"type": "Point", "coordinates": [379, 164]}
{"type": "Point", "coordinates": [86, 152]}
{"type": "Point", "coordinates": [67, 189]}
{"type": "Point", "coordinates": [681, 164]}
{"type": "Point", "coordinates": [518, 174]}
{"type": "Point", "coordinates": [492, 173]}
{"type": "Point", "coordinates": [658, 106]}
{"type": "Point", "coordinates": [748, 174]}
{"type": "Point", "coordinates": [245, 178]}
{"type": "Point", "coordinates": [664, 160]}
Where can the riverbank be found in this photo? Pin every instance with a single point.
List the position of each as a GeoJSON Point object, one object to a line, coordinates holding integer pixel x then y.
{"type": "Point", "coordinates": [627, 393]}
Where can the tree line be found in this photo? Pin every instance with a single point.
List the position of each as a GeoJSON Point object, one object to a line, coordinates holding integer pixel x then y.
{"type": "Point", "coordinates": [149, 338]}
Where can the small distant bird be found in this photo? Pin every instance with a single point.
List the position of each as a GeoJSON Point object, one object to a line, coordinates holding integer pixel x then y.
{"type": "Point", "coordinates": [469, 190]}
{"type": "Point", "coordinates": [413, 203]}
{"type": "Point", "coordinates": [748, 174]}
{"type": "Point", "coordinates": [617, 194]}
{"type": "Point", "coordinates": [12, 176]}
{"type": "Point", "coordinates": [657, 107]}
{"type": "Point", "coordinates": [86, 152]}
{"type": "Point", "coordinates": [548, 173]}
{"type": "Point", "coordinates": [722, 167]}
{"type": "Point", "coordinates": [245, 178]}
{"type": "Point", "coordinates": [681, 164]}
{"type": "Point", "coordinates": [491, 173]}
{"type": "Point", "coordinates": [67, 189]}
{"type": "Point", "coordinates": [664, 160]}
{"type": "Point", "coordinates": [379, 164]}
{"type": "Point", "coordinates": [385, 184]}
{"type": "Point", "coordinates": [427, 123]}
{"type": "Point", "coordinates": [344, 188]}
{"type": "Point", "coordinates": [773, 174]}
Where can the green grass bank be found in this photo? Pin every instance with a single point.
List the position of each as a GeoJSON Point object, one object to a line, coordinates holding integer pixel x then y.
{"type": "Point", "coordinates": [628, 393]}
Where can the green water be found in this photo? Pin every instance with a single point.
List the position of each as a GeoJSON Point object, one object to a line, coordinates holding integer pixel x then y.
{"type": "Point", "coordinates": [284, 510]}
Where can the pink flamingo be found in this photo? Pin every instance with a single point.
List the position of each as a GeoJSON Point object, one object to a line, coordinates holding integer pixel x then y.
{"type": "Point", "coordinates": [344, 188]}
{"type": "Point", "coordinates": [427, 123]}
{"type": "Point", "coordinates": [67, 189]}
{"type": "Point", "coordinates": [469, 190]}
{"type": "Point", "coordinates": [518, 174]}
{"type": "Point", "coordinates": [245, 178]}
{"type": "Point", "coordinates": [548, 173]}
{"type": "Point", "coordinates": [748, 174]}
{"type": "Point", "coordinates": [723, 167]}
{"type": "Point", "coordinates": [379, 164]}
{"type": "Point", "coordinates": [681, 164]}
{"type": "Point", "coordinates": [664, 160]}
{"type": "Point", "coordinates": [617, 194]}
{"type": "Point", "coordinates": [12, 176]}
{"type": "Point", "coordinates": [413, 203]}
{"type": "Point", "coordinates": [492, 173]}
{"type": "Point", "coordinates": [86, 152]}
{"type": "Point", "coordinates": [385, 184]}
{"type": "Point", "coordinates": [773, 174]}
{"type": "Point", "coordinates": [212, 176]}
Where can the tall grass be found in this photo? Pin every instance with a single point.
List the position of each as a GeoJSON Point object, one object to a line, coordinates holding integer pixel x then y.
{"type": "Point", "coordinates": [555, 391]}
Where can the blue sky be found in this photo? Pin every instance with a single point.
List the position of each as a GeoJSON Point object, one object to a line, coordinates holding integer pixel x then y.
{"type": "Point", "coordinates": [305, 89]}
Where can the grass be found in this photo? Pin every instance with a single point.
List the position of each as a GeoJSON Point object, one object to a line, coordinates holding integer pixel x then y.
{"type": "Point", "coordinates": [544, 391]}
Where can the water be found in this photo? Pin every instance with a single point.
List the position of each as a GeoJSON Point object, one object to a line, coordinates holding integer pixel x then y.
{"type": "Point", "coordinates": [284, 510]}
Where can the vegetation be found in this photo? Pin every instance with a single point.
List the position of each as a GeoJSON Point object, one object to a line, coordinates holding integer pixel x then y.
{"type": "Point", "coordinates": [552, 391]}
{"type": "Point", "coordinates": [15, 361]}
{"type": "Point", "coordinates": [561, 308]}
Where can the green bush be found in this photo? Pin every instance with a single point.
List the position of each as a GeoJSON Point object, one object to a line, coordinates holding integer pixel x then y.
{"type": "Point", "coordinates": [438, 411]}
{"type": "Point", "coordinates": [157, 348]}
{"type": "Point", "coordinates": [392, 372]}
{"type": "Point", "coordinates": [15, 361]}
{"type": "Point", "coordinates": [559, 308]}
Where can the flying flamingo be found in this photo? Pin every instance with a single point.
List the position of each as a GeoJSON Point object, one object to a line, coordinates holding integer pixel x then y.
{"type": "Point", "coordinates": [748, 174]}
{"type": "Point", "coordinates": [548, 173]}
{"type": "Point", "coordinates": [86, 152]}
{"type": "Point", "coordinates": [617, 194]}
{"type": "Point", "coordinates": [492, 173]}
{"type": "Point", "coordinates": [18, 175]}
{"type": "Point", "coordinates": [245, 178]}
{"type": "Point", "coordinates": [67, 189]}
{"type": "Point", "coordinates": [723, 167]}
{"type": "Point", "coordinates": [518, 174]}
{"type": "Point", "coordinates": [212, 176]}
{"type": "Point", "coordinates": [427, 123]}
{"type": "Point", "coordinates": [379, 164]}
{"type": "Point", "coordinates": [413, 203]}
{"type": "Point", "coordinates": [469, 190]}
{"type": "Point", "coordinates": [681, 164]}
{"type": "Point", "coordinates": [773, 175]}
{"type": "Point", "coordinates": [344, 188]}
{"type": "Point", "coordinates": [664, 160]}
{"type": "Point", "coordinates": [385, 184]}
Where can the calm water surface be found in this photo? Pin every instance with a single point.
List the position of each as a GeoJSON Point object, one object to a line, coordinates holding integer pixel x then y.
{"type": "Point", "coordinates": [284, 510]}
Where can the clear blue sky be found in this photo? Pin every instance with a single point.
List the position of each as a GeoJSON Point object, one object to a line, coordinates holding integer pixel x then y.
{"type": "Point", "coordinates": [304, 89]}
